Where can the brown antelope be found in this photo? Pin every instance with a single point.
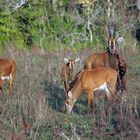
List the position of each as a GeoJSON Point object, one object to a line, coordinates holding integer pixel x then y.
{"type": "Point", "coordinates": [107, 58]}
{"type": "Point", "coordinates": [7, 70]}
{"type": "Point", "coordinates": [66, 73]}
{"type": "Point", "coordinates": [89, 81]}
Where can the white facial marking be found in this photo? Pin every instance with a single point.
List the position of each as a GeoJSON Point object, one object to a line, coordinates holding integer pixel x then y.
{"type": "Point", "coordinates": [6, 77]}
{"type": "Point", "coordinates": [69, 108]}
{"type": "Point", "coordinates": [70, 94]}
{"type": "Point", "coordinates": [70, 65]}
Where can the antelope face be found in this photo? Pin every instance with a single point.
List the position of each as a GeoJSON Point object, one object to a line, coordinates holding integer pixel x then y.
{"type": "Point", "coordinates": [112, 45]}
{"type": "Point", "coordinates": [70, 63]}
{"type": "Point", "coordinates": [69, 103]}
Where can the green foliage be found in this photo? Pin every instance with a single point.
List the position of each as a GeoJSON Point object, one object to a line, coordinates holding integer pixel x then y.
{"type": "Point", "coordinates": [53, 24]}
{"type": "Point", "coordinates": [43, 24]}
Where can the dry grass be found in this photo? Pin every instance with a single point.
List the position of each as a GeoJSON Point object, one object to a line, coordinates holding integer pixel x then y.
{"type": "Point", "coordinates": [38, 97]}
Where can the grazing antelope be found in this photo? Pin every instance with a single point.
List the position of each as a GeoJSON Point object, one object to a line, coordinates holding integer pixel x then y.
{"type": "Point", "coordinates": [66, 73]}
{"type": "Point", "coordinates": [7, 70]}
{"type": "Point", "coordinates": [89, 81]}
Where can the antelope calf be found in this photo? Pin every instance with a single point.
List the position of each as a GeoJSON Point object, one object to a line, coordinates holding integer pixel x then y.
{"type": "Point", "coordinates": [66, 72]}
{"type": "Point", "coordinates": [88, 82]}
{"type": "Point", "coordinates": [7, 70]}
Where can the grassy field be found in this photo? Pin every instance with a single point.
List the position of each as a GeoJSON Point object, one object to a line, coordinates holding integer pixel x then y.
{"type": "Point", "coordinates": [38, 98]}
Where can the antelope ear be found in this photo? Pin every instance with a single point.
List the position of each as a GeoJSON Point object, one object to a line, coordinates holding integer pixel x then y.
{"type": "Point", "coordinates": [77, 59]}
{"type": "Point", "coordinates": [66, 60]}
{"type": "Point", "coordinates": [70, 94]}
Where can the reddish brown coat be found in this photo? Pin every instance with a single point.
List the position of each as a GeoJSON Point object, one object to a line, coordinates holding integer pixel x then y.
{"type": "Point", "coordinates": [91, 80]}
{"type": "Point", "coordinates": [7, 70]}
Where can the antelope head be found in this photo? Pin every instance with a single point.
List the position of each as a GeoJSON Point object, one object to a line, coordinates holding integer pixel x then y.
{"type": "Point", "coordinates": [69, 103]}
{"type": "Point", "coordinates": [112, 43]}
{"type": "Point", "coordinates": [70, 63]}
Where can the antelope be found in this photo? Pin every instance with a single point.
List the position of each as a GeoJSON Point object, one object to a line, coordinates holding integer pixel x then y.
{"type": "Point", "coordinates": [107, 58]}
{"type": "Point", "coordinates": [66, 72]}
{"type": "Point", "coordinates": [89, 81]}
{"type": "Point", "coordinates": [7, 70]}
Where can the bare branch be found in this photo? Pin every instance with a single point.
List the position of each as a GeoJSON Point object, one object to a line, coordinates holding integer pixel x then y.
{"type": "Point", "coordinates": [19, 4]}
{"type": "Point", "coordinates": [15, 5]}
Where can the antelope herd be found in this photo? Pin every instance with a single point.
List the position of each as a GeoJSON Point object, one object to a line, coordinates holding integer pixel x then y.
{"type": "Point", "coordinates": [102, 71]}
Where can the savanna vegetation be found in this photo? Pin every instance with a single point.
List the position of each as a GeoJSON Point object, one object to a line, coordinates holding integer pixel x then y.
{"type": "Point", "coordinates": [38, 34]}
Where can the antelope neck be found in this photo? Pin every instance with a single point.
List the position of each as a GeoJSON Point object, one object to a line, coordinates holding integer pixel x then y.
{"type": "Point", "coordinates": [76, 92]}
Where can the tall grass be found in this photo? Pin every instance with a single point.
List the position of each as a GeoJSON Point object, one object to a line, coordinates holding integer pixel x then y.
{"type": "Point", "coordinates": [38, 98]}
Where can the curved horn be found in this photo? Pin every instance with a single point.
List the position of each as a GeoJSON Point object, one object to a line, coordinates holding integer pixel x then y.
{"type": "Point", "coordinates": [114, 31]}
{"type": "Point", "coordinates": [109, 30]}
